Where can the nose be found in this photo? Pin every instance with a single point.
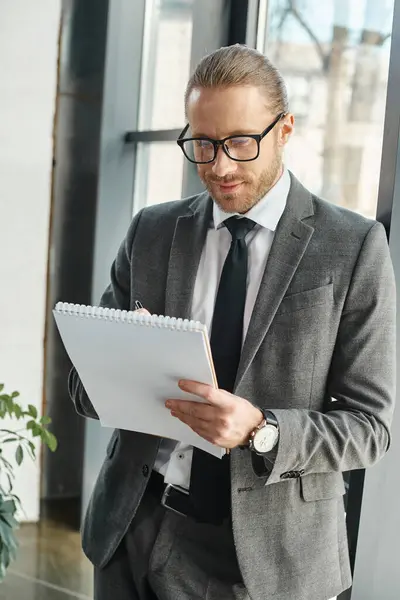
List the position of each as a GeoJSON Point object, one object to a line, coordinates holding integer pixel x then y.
{"type": "Point", "coordinates": [223, 165]}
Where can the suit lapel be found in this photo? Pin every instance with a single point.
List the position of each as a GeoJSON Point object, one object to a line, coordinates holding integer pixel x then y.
{"type": "Point", "coordinates": [292, 237]}
{"type": "Point", "coordinates": [187, 245]}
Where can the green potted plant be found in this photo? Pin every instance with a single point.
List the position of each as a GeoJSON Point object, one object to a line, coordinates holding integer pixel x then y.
{"type": "Point", "coordinates": [32, 426]}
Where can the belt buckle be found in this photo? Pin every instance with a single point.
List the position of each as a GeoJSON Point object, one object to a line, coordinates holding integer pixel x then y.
{"type": "Point", "coordinates": [166, 494]}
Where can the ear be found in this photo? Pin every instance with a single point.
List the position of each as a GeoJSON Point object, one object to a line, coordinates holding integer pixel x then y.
{"type": "Point", "coordinates": [286, 128]}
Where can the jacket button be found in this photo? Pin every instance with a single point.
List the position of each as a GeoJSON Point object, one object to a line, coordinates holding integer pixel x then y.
{"type": "Point", "coordinates": [145, 470]}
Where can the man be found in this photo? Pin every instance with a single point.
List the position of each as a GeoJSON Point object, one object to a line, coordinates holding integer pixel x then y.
{"type": "Point", "coordinates": [299, 297]}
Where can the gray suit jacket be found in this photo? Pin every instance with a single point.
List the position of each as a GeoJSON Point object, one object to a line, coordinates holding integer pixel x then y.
{"type": "Point", "coordinates": [320, 353]}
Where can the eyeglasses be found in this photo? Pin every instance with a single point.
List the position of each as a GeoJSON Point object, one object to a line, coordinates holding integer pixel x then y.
{"type": "Point", "coordinates": [242, 148]}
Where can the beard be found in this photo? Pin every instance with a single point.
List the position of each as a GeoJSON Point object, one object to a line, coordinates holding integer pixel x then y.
{"type": "Point", "coordinates": [250, 192]}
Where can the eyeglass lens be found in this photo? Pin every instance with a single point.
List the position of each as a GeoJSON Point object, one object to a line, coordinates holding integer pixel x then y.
{"type": "Point", "coordinates": [238, 148]}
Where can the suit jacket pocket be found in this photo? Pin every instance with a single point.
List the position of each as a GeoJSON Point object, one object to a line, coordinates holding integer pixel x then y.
{"type": "Point", "coordinates": [306, 299]}
{"type": "Point", "coordinates": [322, 486]}
{"type": "Point", "coordinates": [112, 444]}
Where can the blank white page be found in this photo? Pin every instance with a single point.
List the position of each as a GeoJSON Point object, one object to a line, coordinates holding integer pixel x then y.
{"type": "Point", "coordinates": [129, 370]}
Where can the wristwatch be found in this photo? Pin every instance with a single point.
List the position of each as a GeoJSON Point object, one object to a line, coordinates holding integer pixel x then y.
{"type": "Point", "coordinates": [264, 437]}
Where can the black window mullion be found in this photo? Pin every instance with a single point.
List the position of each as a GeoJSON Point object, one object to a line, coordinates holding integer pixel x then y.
{"type": "Point", "coordinates": [237, 30]}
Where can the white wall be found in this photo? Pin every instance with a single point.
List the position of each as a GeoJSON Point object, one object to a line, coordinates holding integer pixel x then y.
{"type": "Point", "coordinates": [28, 75]}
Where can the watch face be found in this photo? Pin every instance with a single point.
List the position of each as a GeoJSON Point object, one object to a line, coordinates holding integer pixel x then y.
{"type": "Point", "coordinates": [265, 439]}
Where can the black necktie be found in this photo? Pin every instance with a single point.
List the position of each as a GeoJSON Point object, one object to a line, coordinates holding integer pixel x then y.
{"type": "Point", "coordinates": [210, 481]}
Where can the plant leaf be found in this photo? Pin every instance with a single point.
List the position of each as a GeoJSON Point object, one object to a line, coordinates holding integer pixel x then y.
{"type": "Point", "coordinates": [32, 448]}
{"type": "Point", "coordinates": [7, 431]}
{"type": "Point", "coordinates": [34, 427]}
{"type": "Point", "coordinates": [10, 483]}
{"type": "Point", "coordinates": [19, 455]}
{"type": "Point", "coordinates": [8, 507]}
{"type": "Point", "coordinates": [33, 411]}
{"type": "Point", "coordinates": [2, 570]}
{"type": "Point", "coordinates": [36, 430]}
{"type": "Point", "coordinates": [7, 464]}
{"type": "Point", "coordinates": [17, 500]}
{"type": "Point", "coordinates": [8, 536]}
{"type": "Point", "coordinates": [10, 520]}
{"type": "Point", "coordinates": [45, 420]}
{"type": "Point", "coordinates": [18, 412]}
{"type": "Point", "coordinates": [50, 440]}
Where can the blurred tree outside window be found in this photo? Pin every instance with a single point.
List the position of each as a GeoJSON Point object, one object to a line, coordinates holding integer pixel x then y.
{"type": "Point", "coordinates": [335, 61]}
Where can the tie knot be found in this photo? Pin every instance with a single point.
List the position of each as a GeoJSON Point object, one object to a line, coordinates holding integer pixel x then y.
{"type": "Point", "coordinates": [239, 227]}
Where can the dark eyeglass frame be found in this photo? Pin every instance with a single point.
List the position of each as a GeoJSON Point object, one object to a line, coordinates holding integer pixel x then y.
{"type": "Point", "coordinates": [216, 143]}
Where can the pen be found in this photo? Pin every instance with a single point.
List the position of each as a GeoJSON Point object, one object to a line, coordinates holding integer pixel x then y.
{"type": "Point", "coordinates": [138, 305]}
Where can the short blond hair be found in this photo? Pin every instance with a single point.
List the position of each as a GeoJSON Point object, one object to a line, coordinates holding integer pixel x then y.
{"type": "Point", "coordinates": [239, 65]}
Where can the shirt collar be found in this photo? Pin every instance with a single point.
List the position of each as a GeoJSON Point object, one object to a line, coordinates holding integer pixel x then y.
{"type": "Point", "coordinates": [267, 212]}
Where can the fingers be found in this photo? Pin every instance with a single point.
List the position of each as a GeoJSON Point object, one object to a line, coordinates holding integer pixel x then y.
{"type": "Point", "coordinates": [192, 410]}
{"type": "Point", "coordinates": [207, 392]}
{"type": "Point", "coordinates": [142, 311]}
{"type": "Point", "coordinates": [202, 428]}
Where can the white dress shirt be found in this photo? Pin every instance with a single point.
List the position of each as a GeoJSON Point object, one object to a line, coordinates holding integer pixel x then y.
{"type": "Point", "coordinates": [174, 460]}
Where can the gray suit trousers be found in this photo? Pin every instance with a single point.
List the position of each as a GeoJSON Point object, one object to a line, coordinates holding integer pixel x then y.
{"type": "Point", "coordinates": [168, 557]}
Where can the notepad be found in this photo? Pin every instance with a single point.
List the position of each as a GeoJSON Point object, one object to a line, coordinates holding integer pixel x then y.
{"type": "Point", "coordinates": [130, 364]}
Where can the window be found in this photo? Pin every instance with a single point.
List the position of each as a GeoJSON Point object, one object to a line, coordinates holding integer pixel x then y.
{"type": "Point", "coordinates": [160, 173]}
{"type": "Point", "coordinates": [165, 68]}
{"type": "Point", "coordinates": [165, 63]}
{"type": "Point", "coordinates": [335, 62]}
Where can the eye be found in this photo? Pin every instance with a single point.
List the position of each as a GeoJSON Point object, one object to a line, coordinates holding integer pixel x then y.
{"type": "Point", "coordinates": [205, 144]}
{"type": "Point", "coordinates": [239, 141]}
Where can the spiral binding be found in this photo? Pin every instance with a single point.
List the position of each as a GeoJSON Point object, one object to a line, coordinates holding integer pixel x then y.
{"type": "Point", "coordinates": [127, 316]}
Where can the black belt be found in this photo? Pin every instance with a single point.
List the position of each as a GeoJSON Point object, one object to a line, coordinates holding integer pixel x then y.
{"type": "Point", "coordinates": [175, 498]}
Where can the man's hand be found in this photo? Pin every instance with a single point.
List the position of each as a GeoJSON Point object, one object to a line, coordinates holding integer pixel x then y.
{"type": "Point", "coordinates": [224, 420]}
